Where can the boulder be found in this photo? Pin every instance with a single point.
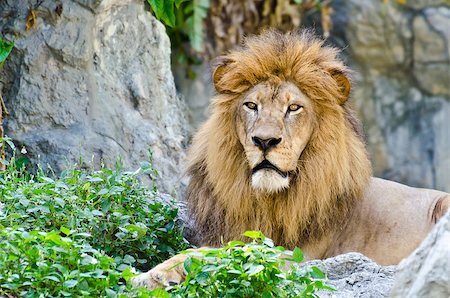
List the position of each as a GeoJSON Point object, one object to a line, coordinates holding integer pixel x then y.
{"type": "Point", "coordinates": [355, 275]}
{"type": "Point", "coordinates": [92, 80]}
{"type": "Point", "coordinates": [400, 54]}
{"type": "Point", "coordinates": [426, 272]}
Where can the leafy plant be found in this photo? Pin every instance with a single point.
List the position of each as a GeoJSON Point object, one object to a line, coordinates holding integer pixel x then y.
{"type": "Point", "coordinates": [81, 232]}
{"type": "Point", "coordinates": [42, 264]}
{"type": "Point", "coordinates": [184, 21]}
{"type": "Point", "coordinates": [248, 270]}
{"type": "Point", "coordinates": [123, 218]}
{"type": "Point", "coordinates": [184, 17]}
{"type": "Point", "coordinates": [5, 48]}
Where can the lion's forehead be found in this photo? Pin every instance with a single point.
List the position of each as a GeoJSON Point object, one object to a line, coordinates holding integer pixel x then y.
{"type": "Point", "coordinates": [276, 94]}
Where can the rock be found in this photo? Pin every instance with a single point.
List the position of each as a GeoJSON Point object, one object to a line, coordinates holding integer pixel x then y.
{"type": "Point", "coordinates": [426, 272]}
{"type": "Point", "coordinates": [354, 275]}
{"type": "Point", "coordinates": [197, 93]}
{"type": "Point", "coordinates": [431, 50]}
{"type": "Point", "coordinates": [402, 84]}
{"type": "Point", "coordinates": [92, 79]}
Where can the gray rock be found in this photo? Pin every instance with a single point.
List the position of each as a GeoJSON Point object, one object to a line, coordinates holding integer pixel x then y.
{"type": "Point", "coordinates": [402, 85]}
{"type": "Point", "coordinates": [426, 272]}
{"type": "Point", "coordinates": [354, 275]}
{"type": "Point", "coordinates": [431, 50]}
{"type": "Point", "coordinates": [93, 82]}
{"type": "Point", "coordinates": [197, 93]}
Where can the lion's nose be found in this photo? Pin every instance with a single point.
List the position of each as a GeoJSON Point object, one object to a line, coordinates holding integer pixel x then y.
{"type": "Point", "coordinates": [266, 144]}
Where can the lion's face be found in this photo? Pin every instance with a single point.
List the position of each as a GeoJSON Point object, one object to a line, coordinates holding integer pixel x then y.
{"type": "Point", "coordinates": [275, 122]}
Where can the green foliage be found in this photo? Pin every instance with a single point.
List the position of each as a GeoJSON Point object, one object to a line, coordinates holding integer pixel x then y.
{"type": "Point", "coordinates": [196, 11]}
{"type": "Point", "coordinates": [5, 48]}
{"type": "Point", "coordinates": [184, 25]}
{"type": "Point", "coordinates": [40, 264]}
{"type": "Point", "coordinates": [184, 19]}
{"type": "Point", "coordinates": [248, 270]}
{"type": "Point", "coordinates": [81, 232]}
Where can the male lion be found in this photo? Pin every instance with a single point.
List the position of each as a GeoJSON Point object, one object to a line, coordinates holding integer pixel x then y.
{"type": "Point", "coordinates": [283, 153]}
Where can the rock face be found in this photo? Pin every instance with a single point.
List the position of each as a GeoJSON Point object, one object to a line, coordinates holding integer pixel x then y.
{"type": "Point", "coordinates": [354, 275]}
{"type": "Point", "coordinates": [400, 54]}
{"type": "Point", "coordinates": [401, 57]}
{"type": "Point", "coordinates": [426, 273]}
{"type": "Point", "coordinates": [92, 78]}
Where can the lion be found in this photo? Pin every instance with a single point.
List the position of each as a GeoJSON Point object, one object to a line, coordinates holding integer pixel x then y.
{"type": "Point", "coordinates": [282, 152]}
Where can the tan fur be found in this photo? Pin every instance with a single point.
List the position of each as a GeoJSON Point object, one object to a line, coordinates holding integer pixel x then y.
{"type": "Point", "coordinates": [331, 173]}
{"type": "Point", "coordinates": [331, 204]}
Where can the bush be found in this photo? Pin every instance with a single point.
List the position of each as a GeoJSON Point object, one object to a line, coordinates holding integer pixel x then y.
{"type": "Point", "coordinates": [123, 217]}
{"type": "Point", "coordinates": [52, 227]}
{"type": "Point", "coordinates": [247, 270]}
{"type": "Point", "coordinates": [40, 264]}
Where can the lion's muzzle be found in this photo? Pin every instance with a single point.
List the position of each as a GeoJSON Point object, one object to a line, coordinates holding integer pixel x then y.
{"type": "Point", "coordinates": [268, 178]}
{"type": "Point", "coordinates": [265, 164]}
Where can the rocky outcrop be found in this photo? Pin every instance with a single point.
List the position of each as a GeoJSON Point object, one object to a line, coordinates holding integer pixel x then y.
{"type": "Point", "coordinates": [402, 61]}
{"type": "Point", "coordinates": [354, 275]}
{"type": "Point", "coordinates": [426, 273]}
{"type": "Point", "coordinates": [92, 79]}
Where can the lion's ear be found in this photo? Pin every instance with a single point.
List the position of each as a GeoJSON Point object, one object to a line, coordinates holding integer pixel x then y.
{"type": "Point", "coordinates": [219, 66]}
{"type": "Point", "coordinates": [343, 82]}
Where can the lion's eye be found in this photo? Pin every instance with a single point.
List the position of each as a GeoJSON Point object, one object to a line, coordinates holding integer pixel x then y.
{"type": "Point", "coordinates": [294, 108]}
{"type": "Point", "coordinates": [251, 105]}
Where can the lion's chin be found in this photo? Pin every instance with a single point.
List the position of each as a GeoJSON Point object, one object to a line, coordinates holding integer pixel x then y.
{"type": "Point", "coordinates": [269, 181]}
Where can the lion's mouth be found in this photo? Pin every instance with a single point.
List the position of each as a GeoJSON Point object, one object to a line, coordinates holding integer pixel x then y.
{"type": "Point", "coordinates": [265, 164]}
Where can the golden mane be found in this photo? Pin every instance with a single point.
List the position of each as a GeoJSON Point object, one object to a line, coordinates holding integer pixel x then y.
{"type": "Point", "coordinates": [332, 171]}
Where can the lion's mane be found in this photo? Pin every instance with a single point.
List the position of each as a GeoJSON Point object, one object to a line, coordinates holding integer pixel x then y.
{"type": "Point", "coordinates": [332, 171]}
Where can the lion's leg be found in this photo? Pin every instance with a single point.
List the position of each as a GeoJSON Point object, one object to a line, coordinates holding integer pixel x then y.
{"type": "Point", "coordinates": [169, 272]}
{"type": "Point", "coordinates": [163, 275]}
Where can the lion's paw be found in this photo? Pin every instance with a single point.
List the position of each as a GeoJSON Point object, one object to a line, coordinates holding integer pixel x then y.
{"type": "Point", "coordinates": [168, 273]}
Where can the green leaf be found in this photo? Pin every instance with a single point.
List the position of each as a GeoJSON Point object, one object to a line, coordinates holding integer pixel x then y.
{"type": "Point", "coordinates": [110, 293]}
{"type": "Point", "coordinates": [160, 293]}
{"type": "Point", "coordinates": [235, 243]}
{"type": "Point", "coordinates": [5, 48]}
{"type": "Point", "coordinates": [255, 235]}
{"type": "Point", "coordinates": [201, 277]}
{"type": "Point", "coordinates": [9, 142]}
{"type": "Point", "coordinates": [317, 273]}
{"type": "Point", "coordinates": [188, 265]}
{"type": "Point", "coordinates": [178, 2]}
{"type": "Point", "coordinates": [164, 11]}
{"type": "Point", "coordinates": [97, 213]}
{"type": "Point", "coordinates": [106, 205]}
{"type": "Point", "coordinates": [65, 230]}
{"type": "Point", "coordinates": [297, 255]}
{"type": "Point", "coordinates": [255, 269]}
{"type": "Point", "coordinates": [129, 259]}
{"type": "Point", "coordinates": [194, 23]}
{"type": "Point", "coordinates": [70, 283]}
{"type": "Point", "coordinates": [141, 231]}
{"type": "Point", "coordinates": [234, 271]}
{"type": "Point", "coordinates": [48, 180]}
{"type": "Point", "coordinates": [53, 278]}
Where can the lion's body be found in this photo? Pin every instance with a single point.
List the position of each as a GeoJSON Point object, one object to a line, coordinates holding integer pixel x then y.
{"type": "Point", "coordinates": [282, 153]}
{"type": "Point", "coordinates": [388, 223]}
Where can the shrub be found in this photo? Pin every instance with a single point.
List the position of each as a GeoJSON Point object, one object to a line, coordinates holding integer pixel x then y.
{"type": "Point", "coordinates": [40, 264]}
{"type": "Point", "coordinates": [248, 270]}
{"type": "Point", "coordinates": [123, 217]}
{"type": "Point", "coordinates": [79, 234]}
